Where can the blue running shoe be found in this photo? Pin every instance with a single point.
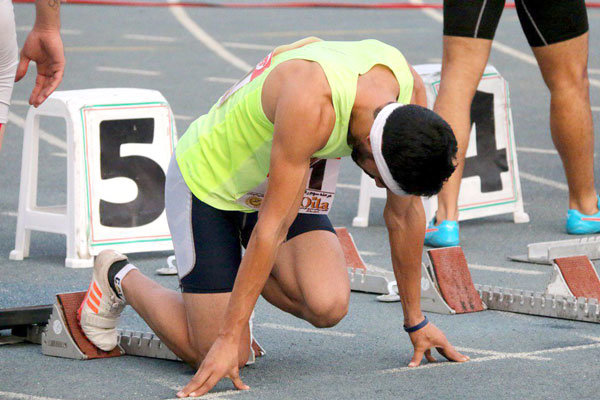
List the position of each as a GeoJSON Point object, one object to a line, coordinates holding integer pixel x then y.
{"type": "Point", "coordinates": [442, 235]}
{"type": "Point", "coordinates": [582, 224]}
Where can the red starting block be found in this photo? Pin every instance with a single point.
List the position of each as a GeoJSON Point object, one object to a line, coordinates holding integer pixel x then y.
{"type": "Point", "coordinates": [362, 278]}
{"type": "Point", "coordinates": [574, 277]}
{"type": "Point", "coordinates": [453, 280]}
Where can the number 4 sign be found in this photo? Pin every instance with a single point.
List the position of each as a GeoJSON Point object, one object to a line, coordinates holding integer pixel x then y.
{"type": "Point", "coordinates": [490, 183]}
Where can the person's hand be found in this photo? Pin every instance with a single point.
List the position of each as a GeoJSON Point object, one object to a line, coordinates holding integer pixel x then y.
{"type": "Point", "coordinates": [45, 47]}
{"type": "Point", "coordinates": [426, 338]}
{"type": "Point", "coordinates": [220, 362]}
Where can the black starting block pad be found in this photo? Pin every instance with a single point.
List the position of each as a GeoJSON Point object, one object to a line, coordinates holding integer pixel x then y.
{"type": "Point", "coordinates": [25, 323]}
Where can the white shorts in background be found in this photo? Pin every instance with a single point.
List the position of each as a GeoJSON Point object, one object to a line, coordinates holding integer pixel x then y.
{"type": "Point", "coordinates": [9, 56]}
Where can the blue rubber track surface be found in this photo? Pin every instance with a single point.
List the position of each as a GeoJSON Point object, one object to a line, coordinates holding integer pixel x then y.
{"type": "Point", "coordinates": [364, 357]}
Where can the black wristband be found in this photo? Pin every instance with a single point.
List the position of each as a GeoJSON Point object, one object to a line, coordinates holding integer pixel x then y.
{"type": "Point", "coordinates": [415, 328]}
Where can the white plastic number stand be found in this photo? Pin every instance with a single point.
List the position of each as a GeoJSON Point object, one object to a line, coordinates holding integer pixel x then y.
{"type": "Point", "coordinates": [119, 144]}
{"type": "Point", "coordinates": [490, 183]}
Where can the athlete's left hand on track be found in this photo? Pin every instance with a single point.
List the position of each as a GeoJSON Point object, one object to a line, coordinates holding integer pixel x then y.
{"type": "Point", "coordinates": [45, 47]}
{"type": "Point", "coordinates": [220, 362]}
{"type": "Point", "coordinates": [426, 338]}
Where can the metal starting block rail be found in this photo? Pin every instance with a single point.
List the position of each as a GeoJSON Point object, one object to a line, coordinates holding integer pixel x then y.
{"type": "Point", "coordinates": [541, 304]}
{"type": "Point", "coordinates": [446, 287]}
{"type": "Point", "coordinates": [546, 252]}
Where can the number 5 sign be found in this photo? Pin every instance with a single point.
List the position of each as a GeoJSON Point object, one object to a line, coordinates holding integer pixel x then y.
{"type": "Point", "coordinates": [119, 144]}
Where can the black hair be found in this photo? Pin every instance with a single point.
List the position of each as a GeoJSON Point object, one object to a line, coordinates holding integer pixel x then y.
{"type": "Point", "coordinates": [419, 148]}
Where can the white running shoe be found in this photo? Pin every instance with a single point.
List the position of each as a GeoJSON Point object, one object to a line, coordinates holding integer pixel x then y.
{"type": "Point", "coordinates": [99, 313]}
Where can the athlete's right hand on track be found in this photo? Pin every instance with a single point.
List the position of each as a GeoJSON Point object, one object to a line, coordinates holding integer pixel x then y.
{"type": "Point", "coordinates": [431, 336]}
{"type": "Point", "coordinates": [220, 362]}
{"type": "Point", "coordinates": [45, 47]}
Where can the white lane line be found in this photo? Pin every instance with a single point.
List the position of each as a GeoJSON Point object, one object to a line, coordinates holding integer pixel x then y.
{"type": "Point", "coordinates": [535, 150]}
{"type": "Point", "coordinates": [14, 102]}
{"type": "Point", "coordinates": [45, 136]}
{"type": "Point", "coordinates": [305, 330]}
{"type": "Point", "coordinates": [593, 71]}
{"type": "Point", "coordinates": [150, 38]}
{"type": "Point", "coordinates": [184, 19]}
{"type": "Point", "coordinates": [507, 270]}
{"type": "Point", "coordinates": [9, 213]}
{"type": "Point", "coordinates": [435, 60]}
{"type": "Point", "coordinates": [589, 337]}
{"type": "Point", "coordinates": [367, 253]}
{"type": "Point", "coordinates": [527, 58]}
{"type": "Point", "coordinates": [544, 181]}
{"type": "Point", "coordinates": [375, 268]}
{"type": "Point", "coordinates": [22, 396]}
{"type": "Point", "coordinates": [128, 71]}
{"type": "Point", "coordinates": [595, 109]}
{"type": "Point", "coordinates": [532, 355]}
{"type": "Point", "coordinates": [62, 155]}
{"type": "Point", "coordinates": [248, 46]}
{"type": "Point", "coordinates": [499, 353]}
{"type": "Point", "coordinates": [63, 31]}
{"type": "Point", "coordinates": [348, 186]}
{"type": "Point", "coordinates": [220, 79]}
{"type": "Point", "coordinates": [216, 395]}
{"type": "Point", "coordinates": [183, 117]}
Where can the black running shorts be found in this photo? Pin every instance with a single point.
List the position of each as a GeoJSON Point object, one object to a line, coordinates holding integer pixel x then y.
{"type": "Point", "coordinates": [544, 22]}
{"type": "Point", "coordinates": [208, 241]}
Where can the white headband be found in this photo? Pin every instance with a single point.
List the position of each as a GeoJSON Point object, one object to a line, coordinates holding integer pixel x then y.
{"type": "Point", "coordinates": [376, 144]}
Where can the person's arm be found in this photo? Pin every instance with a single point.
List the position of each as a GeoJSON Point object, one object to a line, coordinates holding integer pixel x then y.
{"type": "Point", "coordinates": [298, 126]}
{"type": "Point", "coordinates": [405, 220]}
{"type": "Point", "coordinates": [419, 95]}
{"type": "Point", "coordinates": [44, 46]}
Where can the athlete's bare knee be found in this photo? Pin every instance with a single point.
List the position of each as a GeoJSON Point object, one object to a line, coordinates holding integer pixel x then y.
{"type": "Point", "coordinates": [329, 311]}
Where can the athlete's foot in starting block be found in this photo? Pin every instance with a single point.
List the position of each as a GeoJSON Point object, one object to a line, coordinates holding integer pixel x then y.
{"type": "Point", "coordinates": [100, 310]}
{"type": "Point", "coordinates": [582, 224]}
{"type": "Point", "coordinates": [443, 235]}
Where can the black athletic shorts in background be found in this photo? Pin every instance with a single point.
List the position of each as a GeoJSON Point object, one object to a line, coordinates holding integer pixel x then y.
{"type": "Point", "coordinates": [544, 22]}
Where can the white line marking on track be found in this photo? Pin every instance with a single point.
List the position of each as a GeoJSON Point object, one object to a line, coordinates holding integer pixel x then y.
{"type": "Point", "coordinates": [45, 136]}
{"type": "Point", "coordinates": [150, 38]}
{"type": "Point", "coordinates": [63, 155]}
{"type": "Point", "coordinates": [63, 31]}
{"type": "Point", "coordinates": [507, 270]}
{"type": "Point", "coordinates": [527, 58]}
{"type": "Point", "coordinates": [184, 19]}
{"type": "Point", "coordinates": [544, 181]}
{"type": "Point", "coordinates": [589, 337]}
{"type": "Point", "coordinates": [367, 253]}
{"type": "Point", "coordinates": [14, 102]}
{"type": "Point", "coordinates": [128, 71]}
{"type": "Point", "coordinates": [535, 150]}
{"type": "Point", "coordinates": [248, 46]}
{"type": "Point", "coordinates": [593, 71]}
{"type": "Point", "coordinates": [22, 396]}
{"type": "Point", "coordinates": [595, 109]}
{"type": "Point", "coordinates": [9, 213]}
{"type": "Point", "coordinates": [348, 186]}
{"type": "Point", "coordinates": [305, 330]}
{"type": "Point", "coordinates": [375, 268]}
{"type": "Point", "coordinates": [220, 80]}
{"type": "Point", "coordinates": [183, 117]}
{"type": "Point", "coordinates": [216, 395]}
{"type": "Point", "coordinates": [532, 355]}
